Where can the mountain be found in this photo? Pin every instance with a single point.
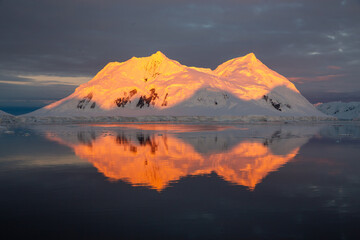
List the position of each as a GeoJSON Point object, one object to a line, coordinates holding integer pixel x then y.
{"type": "Point", "coordinates": [159, 86]}
{"type": "Point", "coordinates": [341, 110]}
{"type": "Point", "coordinates": [2, 113]}
{"type": "Point", "coordinates": [6, 118]}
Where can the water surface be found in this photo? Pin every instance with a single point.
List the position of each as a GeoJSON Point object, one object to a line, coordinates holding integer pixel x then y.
{"type": "Point", "coordinates": [175, 181]}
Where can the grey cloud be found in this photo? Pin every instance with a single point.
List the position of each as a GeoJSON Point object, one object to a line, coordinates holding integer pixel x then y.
{"type": "Point", "coordinates": [13, 78]}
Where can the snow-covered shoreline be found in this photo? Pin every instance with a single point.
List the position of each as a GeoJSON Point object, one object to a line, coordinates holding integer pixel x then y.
{"type": "Point", "coordinates": [178, 119]}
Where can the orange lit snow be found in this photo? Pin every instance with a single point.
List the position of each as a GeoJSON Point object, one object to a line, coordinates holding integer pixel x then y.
{"type": "Point", "coordinates": [157, 85]}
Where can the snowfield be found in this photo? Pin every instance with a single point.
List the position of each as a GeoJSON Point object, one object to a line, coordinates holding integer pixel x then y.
{"type": "Point", "coordinates": [156, 88]}
{"type": "Point", "coordinates": [341, 110]}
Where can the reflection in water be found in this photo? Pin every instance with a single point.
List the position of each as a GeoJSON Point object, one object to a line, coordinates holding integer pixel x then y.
{"type": "Point", "coordinates": [155, 159]}
{"type": "Point", "coordinates": [48, 192]}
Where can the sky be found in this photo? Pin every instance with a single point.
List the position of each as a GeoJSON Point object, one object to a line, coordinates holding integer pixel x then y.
{"type": "Point", "coordinates": [49, 47]}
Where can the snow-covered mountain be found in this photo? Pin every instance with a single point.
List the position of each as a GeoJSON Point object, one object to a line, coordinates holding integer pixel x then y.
{"type": "Point", "coordinates": [2, 113]}
{"type": "Point", "coordinates": [159, 86]}
{"type": "Point", "coordinates": [6, 118]}
{"type": "Point", "coordinates": [341, 110]}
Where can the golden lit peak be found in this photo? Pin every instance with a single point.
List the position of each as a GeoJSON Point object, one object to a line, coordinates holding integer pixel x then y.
{"type": "Point", "coordinates": [250, 56]}
{"type": "Point", "coordinates": [158, 56]}
{"type": "Point", "coordinates": [247, 60]}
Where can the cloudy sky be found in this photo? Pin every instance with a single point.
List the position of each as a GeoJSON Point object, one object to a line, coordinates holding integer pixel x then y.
{"type": "Point", "coordinates": [48, 47]}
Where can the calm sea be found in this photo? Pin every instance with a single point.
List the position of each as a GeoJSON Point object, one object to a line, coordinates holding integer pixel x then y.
{"type": "Point", "coordinates": [180, 181]}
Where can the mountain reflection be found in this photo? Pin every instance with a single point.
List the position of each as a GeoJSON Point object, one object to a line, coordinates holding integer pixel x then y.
{"type": "Point", "coordinates": [155, 159]}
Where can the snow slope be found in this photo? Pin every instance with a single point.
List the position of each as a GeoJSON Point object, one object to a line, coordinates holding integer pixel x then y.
{"type": "Point", "coordinates": [6, 118]}
{"type": "Point", "coordinates": [2, 113]}
{"type": "Point", "coordinates": [341, 110]}
{"type": "Point", "coordinates": [159, 86]}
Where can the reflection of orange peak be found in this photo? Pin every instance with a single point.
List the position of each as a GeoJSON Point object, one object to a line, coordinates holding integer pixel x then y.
{"type": "Point", "coordinates": [155, 161]}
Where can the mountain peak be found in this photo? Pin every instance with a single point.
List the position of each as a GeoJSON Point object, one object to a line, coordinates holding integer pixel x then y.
{"type": "Point", "coordinates": [250, 56]}
{"type": "Point", "coordinates": [239, 63]}
{"type": "Point", "coordinates": [158, 56]}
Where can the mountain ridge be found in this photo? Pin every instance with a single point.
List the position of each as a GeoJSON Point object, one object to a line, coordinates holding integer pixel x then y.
{"type": "Point", "coordinates": [340, 110]}
{"type": "Point", "coordinates": [157, 85]}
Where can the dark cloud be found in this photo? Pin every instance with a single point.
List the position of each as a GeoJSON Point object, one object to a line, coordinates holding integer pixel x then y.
{"type": "Point", "coordinates": [299, 39]}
